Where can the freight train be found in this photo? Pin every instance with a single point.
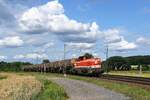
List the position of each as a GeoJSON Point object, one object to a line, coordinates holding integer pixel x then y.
{"type": "Point", "coordinates": [82, 66]}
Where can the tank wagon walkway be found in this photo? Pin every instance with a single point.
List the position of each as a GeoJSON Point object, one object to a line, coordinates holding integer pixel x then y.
{"type": "Point", "coordinates": [79, 90]}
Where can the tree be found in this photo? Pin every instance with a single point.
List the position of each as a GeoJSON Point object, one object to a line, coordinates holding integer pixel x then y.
{"type": "Point", "coordinates": [139, 60]}
{"type": "Point", "coordinates": [46, 61]}
{"type": "Point", "coordinates": [118, 63]}
{"type": "Point", "coordinates": [88, 55]}
{"type": "Point", "coordinates": [12, 66]}
{"type": "Point", "coordinates": [143, 61]}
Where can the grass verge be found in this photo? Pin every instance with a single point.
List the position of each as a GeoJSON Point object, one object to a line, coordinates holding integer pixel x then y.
{"type": "Point", "coordinates": [50, 90]}
{"type": "Point", "coordinates": [131, 73]}
{"type": "Point", "coordinates": [135, 92]}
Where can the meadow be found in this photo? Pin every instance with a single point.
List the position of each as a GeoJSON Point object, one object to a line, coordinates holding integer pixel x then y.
{"type": "Point", "coordinates": [21, 86]}
{"type": "Point", "coordinates": [134, 91]}
{"type": "Point", "coordinates": [39, 86]}
{"type": "Point", "coordinates": [131, 73]}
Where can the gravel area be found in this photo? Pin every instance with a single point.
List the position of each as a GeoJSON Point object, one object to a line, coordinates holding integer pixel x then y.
{"type": "Point", "coordinates": [80, 90]}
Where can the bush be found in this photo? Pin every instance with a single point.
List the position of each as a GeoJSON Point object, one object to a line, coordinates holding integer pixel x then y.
{"type": "Point", "coordinates": [13, 66]}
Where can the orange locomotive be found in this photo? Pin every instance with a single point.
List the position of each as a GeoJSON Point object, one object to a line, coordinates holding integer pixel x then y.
{"type": "Point", "coordinates": [87, 66]}
{"type": "Point", "coordinates": [88, 63]}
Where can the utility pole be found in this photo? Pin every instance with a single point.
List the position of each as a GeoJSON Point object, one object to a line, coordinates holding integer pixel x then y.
{"type": "Point", "coordinates": [80, 51]}
{"type": "Point", "coordinates": [37, 59]}
{"type": "Point", "coordinates": [64, 51]}
{"type": "Point", "coordinates": [107, 53]}
{"type": "Point", "coordinates": [64, 60]}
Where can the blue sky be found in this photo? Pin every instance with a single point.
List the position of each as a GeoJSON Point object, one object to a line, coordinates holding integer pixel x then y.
{"type": "Point", "coordinates": [32, 30]}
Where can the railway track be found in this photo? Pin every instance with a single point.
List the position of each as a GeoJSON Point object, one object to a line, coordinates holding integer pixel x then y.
{"type": "Point", "coordinates": [129, 79]}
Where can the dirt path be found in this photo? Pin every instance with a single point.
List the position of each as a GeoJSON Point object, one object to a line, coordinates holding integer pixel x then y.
{"type": "Point", "coordinates": [79, 90]}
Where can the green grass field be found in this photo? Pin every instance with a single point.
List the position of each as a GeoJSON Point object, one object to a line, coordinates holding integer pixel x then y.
{"type": "Point", "coordinates": [51, 91]}
{"type": "Point", "coordinates": [135, 92]}
{"type": "Point", "coordinates": [131, 73]}
{"type": "Point", "coordinates": [29, 86]}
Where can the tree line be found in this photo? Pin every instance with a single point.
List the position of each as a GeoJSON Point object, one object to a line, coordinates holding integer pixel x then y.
{"type": "Point", "coordinates": [125, 63]}
{"type": "Point", "coordinates": [112, 63]}
{"type": "Point", "coordinates": [12, 66]}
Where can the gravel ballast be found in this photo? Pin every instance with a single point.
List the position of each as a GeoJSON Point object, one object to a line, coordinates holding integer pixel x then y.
{"type": "Point", "coordinates": [80, 90]}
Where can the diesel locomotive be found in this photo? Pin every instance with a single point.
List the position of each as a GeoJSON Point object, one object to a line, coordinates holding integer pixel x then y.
{"type": "Point", "coordinates": [82, 66]}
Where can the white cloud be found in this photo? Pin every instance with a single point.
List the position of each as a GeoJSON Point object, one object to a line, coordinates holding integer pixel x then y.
{"type": "Point", "coordinates": [81, 45]}
{"type": "Point", "coordinates": [37, 40]}
{"type": "Point", "coordinates": [44, 47]}
{"type": "Point", "coordinates": [35, 56]}
{"type": "Point", "coordinates": [47, 45]}
{"type": "Point", "coordinates": [112, 35]}
{"type": "Point", "coordinates": [3, 57]}
{"type": "Point", "coordinates": [30, 56]}
{"type": "Point", "coordinates": [35, 20]}
{"type": "Point", "coordinates": [74, 55]}
{"type": "Point", "coordinates": [143, 41]}
{"type": "Point", "coordinates": [122, 45]}
{"type": "Point", "coordinates": [116, 41]}
{"type": "Point", "coordinates": [19, 56]}
{"type": "Point", "coordinates": [51, 18]}
{"type": "Point", "coordinates": [14, 41]}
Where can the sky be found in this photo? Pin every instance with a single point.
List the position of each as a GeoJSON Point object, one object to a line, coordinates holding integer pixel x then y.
{"type": "Point", "coordinates": [33, 30]}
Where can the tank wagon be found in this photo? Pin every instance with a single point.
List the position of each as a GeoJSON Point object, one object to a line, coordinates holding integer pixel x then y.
{"type": "Point", "coordinates": [81, 65]}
